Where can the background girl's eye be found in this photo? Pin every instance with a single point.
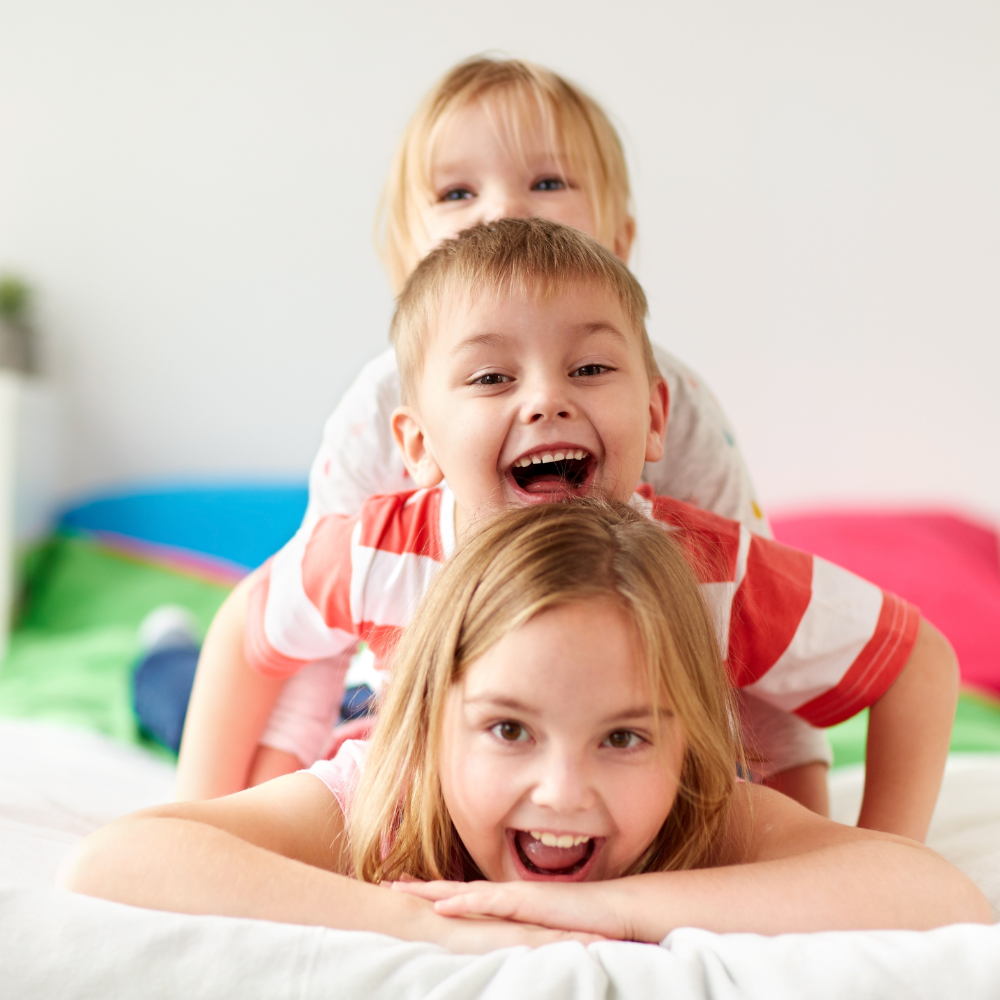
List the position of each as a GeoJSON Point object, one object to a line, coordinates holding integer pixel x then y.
{"type": "Point", "coordinates": [622, 739]}
{"type": "Point", "coordinates": [510, 732]}
{"type": "Point", "coordinates": [591, 370]}
{"type": "Point", "coordinates": [492, 378]}
{"type": "Point", "coordinates": [456, 194]}
{"type": "Point", "coordinates": [549, 184]}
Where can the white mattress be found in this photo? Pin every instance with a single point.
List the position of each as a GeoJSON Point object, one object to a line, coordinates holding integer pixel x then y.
{"type": "Point", "coordinates": [57, 785]}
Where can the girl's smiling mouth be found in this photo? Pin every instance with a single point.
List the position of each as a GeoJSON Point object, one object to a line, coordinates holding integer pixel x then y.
{"type": "Point", "coordinates": [552, 470]}
{"type": "Point", "coordinates": [552, 857]}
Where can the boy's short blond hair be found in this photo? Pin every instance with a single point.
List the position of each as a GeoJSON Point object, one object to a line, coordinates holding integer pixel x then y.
{"type": "Point", "coordinates": [578, 132]}
{"type": "Point", "coordinates": [511, 257]}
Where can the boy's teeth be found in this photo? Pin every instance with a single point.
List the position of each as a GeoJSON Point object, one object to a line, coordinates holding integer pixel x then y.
{"type": "Point", "coordinates": [548, 456]}
{"type": "Point", "coordinates": [560, 840]}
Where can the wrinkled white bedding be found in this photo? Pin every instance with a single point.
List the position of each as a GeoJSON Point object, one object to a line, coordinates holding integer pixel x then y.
{"type": "Point", "coordinates": [57, 785]}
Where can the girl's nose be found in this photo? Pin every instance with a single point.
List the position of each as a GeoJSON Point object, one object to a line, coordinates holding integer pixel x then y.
{"type": "Point", "coordinates": [505, 204]}
{"type": "Point", "coordinates": [563, 785]}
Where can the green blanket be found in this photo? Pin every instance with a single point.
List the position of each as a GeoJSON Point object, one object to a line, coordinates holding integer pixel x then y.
{"type": "Point", "coordinates": [71, 654]}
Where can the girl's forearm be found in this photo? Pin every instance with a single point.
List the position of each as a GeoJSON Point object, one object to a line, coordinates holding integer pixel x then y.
{"type": "Point", "coordinates": [865, 885]}
{"type": "Point", "coordinates": [184, 866]}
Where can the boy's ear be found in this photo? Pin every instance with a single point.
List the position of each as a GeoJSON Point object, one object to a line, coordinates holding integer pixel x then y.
{"type": "Point", "coordinates": [415, 447]}
{"type": "Point", "coordinates": [659, 410]}
{"type": "Point", "coordinates": [624, 239]}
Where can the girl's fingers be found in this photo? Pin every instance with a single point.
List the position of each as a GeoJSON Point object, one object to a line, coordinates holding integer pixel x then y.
{"type": "Point", "coordinates": [435, 890]}
{"type": "Point", "coordinates": [482, 904]}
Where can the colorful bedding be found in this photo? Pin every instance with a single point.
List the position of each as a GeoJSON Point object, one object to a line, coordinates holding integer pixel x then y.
{"type": "Point", "coordinates": [113, 560]}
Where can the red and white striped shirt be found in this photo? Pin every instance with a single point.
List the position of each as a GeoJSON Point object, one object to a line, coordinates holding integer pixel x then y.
{"type": "Point", "coordinates": [798, 632]}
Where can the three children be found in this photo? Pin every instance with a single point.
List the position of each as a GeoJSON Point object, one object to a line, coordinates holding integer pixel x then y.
{"type": "Point", "coordinates": [559, 711]}
{"type": "Point", "coordinates": [493, 139]}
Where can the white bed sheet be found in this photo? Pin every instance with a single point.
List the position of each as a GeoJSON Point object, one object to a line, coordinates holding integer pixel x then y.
{"type": "Point", "coordinates": [56, 785]}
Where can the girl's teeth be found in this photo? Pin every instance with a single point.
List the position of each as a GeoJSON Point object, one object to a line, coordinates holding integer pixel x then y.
{"type": "Point", "coordinates": [560, 840]}
{"type": "Point", "coordinates": [547, 457]}
{"type": "Point", "coordinates": [558, 456]}
{"type": "Point", "coordinates": [536, 459]}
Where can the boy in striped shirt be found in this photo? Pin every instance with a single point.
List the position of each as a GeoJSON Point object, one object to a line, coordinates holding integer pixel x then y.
{"type": "Point", "coordinates": [527, 377]}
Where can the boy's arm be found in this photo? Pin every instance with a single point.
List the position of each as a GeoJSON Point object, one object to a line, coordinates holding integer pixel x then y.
{"type": "Point", "coordinates": [230, 705]}
{"type": "Point", "coordinates": [784, 869]}
{"type": "Point", "coordinates": [909, 730]}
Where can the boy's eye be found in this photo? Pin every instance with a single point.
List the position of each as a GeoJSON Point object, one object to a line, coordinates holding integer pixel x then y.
{"type": "Point", "coordinates": [588, 371]}
{"type": "Point", "coordinates": [456, 194]}
{"type": "Point", "coordinates": [623, 739]}
{"type": "Point", "coordinates": [549, 184]}
{"type": "Point", "coordinates": [492, 378]}
{"type": "Point", "coordinates": [510, 732]}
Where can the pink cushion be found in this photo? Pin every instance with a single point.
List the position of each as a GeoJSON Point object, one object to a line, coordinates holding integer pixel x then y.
{"type": "Point", "coordinates": [945, 564]}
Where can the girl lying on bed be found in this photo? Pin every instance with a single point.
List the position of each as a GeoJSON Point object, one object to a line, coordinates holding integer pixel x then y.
{"type": "Point", "coordinates": [557, 754]}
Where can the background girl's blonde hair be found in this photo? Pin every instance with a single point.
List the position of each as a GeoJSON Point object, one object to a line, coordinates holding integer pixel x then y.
{"type": "Point", "coordinates": [525, 561]}
{"type": "Point", "coordinates": [513, 93]}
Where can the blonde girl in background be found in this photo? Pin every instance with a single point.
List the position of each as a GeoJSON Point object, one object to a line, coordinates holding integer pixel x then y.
{"type": "Point", "coordinates": [557, 757]}
{"type": "Point", "coordinates": [493, 139]}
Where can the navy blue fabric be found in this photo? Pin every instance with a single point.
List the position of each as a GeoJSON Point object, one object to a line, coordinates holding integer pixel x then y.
{"type": "Point", "coordinates": [242, 524]}
{"type": "Point", "coordinates": [358, 702]}
{"type": "Point", "coordinates": [161, 689]}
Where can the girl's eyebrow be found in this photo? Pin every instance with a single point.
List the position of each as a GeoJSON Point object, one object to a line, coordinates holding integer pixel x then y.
{"type": "Point", "coordinates": [501, 701]}
{"type": "Point", "coordinates": [635, 714]}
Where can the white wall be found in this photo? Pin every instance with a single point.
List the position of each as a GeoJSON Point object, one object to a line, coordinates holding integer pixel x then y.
{"type": "Point", "coordinates": [192, 184]}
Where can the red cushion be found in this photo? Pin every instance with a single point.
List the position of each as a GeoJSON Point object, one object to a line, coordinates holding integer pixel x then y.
{"type": "Point", "coordinates": [945, 564]}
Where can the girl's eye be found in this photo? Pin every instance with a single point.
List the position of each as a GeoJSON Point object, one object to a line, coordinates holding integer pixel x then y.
{"type": "Point", "coordinates": [623, 739]}
{"type": "Point", "coordinates": [492, 378]}
{"type": "Point", "coordinates": [589, 371]}
{"type": "Point", "coordinates": [549, 184]}
{"type": "Point", "coordinates": [457, 194]}
{"type": "Point", "coordinates": [510, 732]}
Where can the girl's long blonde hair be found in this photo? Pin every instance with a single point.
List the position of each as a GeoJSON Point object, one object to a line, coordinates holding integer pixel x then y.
{"type": "Point", "coordinates": [523, 562]}
{"type": "Point", "coordinates": [578, 133]}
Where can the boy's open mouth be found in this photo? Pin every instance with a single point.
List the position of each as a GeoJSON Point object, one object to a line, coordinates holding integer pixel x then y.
{"type": "Point", "coordinates": [552, 470]}
{"type": "Point", "coordinates": [559, 857]}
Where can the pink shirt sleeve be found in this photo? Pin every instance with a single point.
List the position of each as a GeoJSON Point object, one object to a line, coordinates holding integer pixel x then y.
{"type": "Point", "coordinates": [342, 773]}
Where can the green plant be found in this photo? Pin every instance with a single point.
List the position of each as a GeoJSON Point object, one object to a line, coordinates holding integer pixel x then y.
{"type": "Point", "coordinates": [15, 300]}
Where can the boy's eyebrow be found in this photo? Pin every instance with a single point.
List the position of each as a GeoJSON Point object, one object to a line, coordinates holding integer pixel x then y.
{"type": "Point", "coordinates": [496, 339]}
{"type": "Point", "coordinates": [593, 329]}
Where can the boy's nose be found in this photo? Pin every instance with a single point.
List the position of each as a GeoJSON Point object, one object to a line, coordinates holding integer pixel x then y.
{"type": "Point", "coordinates": [547, 400]}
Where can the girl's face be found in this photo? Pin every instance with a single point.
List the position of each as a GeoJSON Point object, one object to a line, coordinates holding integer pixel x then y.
{"type": "Point", "coordinates": [553, 766]}
{"type": "Point", "coordinates": [477, 178]}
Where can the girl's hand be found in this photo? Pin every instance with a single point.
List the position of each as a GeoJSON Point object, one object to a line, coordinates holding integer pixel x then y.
{"type": "Point", "coordinates": [587, 908]}
{"type": "Point", "coordinates": [477, 936]}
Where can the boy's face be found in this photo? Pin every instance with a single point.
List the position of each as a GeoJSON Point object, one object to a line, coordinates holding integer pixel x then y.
{"type": "Point", "coordinates": [530, 400]}
{"type": "Point", "coordinates": [476, 177]}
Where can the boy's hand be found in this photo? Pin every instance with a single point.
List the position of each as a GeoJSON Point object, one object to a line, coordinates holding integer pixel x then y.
{"type": "Point", "coordinates": [593, 909]}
